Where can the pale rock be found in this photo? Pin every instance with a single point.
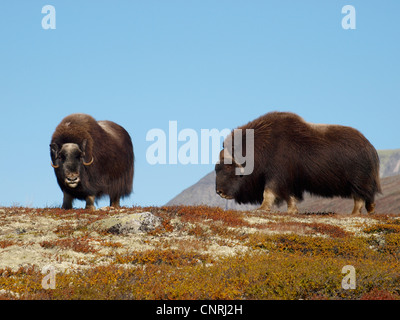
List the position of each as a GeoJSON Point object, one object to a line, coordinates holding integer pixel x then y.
{"type": "Point", "coordinates": [140, 222]}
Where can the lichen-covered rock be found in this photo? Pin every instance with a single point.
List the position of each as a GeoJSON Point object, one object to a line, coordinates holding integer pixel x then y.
{"type": "Point", "coordinates": [140, 222]}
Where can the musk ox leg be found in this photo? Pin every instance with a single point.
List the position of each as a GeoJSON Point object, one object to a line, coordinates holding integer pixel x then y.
{"type": "Point", "coordinates": [292, 208]}
{"type": "Point", "coordinates": [90, 203]}
{"type": "Point", "coordinates": [268, 200]}
{"type": "Point", "coordinates": [358, 205]}
{"type": "Point", "coordinates": [114, 203]}
{"type": "Point", "coordinates": [67, 201]}
{"type": "Point", "coordinates": [370, 206]}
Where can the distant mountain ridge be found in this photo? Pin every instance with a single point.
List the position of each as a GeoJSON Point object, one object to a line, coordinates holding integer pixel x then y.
{"type": "Point", "coordinates": [203, 192]}
{"type": "Point", "coordinates": [389, 162]}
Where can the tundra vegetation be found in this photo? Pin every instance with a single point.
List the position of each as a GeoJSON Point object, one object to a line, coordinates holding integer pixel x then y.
{"type": "Point", "coordinates": [199, 252]}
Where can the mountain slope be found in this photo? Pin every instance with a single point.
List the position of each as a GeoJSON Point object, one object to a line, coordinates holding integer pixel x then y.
{"type": "Point", "coordinates": [389, 162]}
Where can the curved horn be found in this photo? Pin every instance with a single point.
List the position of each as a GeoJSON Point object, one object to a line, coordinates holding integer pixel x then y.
{"type": "Point", "coordinates": [54, 154]}
{"type": "Point", "coordinates": [239, 167]}
{"type": "Point", "coordinates": [88, 163]}
{"type": "Point", "coordinates": [227, 155]}
{"type": "Point", "coordinates": [54, 166]}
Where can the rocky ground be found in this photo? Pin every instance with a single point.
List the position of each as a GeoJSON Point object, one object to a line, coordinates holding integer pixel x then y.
{"type": "Point", "coordinates": [181, 245]}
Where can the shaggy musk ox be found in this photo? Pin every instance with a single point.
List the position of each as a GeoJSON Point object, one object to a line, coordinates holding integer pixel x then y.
{"type": "Point", "coordinates": [292, 156]}
{"type": "Point", "coordinates": [91, 159]}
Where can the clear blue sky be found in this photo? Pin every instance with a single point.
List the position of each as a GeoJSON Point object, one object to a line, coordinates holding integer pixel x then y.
{"type": "Point", "coordinates": [206, 64]}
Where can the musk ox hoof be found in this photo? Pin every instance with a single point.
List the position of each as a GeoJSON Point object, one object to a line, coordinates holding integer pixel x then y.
{"type": "Point", "coordinates": [111, 208]}
{"type": "Point", "coordinates": [262, 210]}
{"type": "Point", "coordinates": [293, 211]}
{"type": "Point", "coordinates": [370, 208]}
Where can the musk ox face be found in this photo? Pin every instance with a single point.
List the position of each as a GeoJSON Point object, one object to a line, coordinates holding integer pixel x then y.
{"type": "Point", "coordinates": [69, 160]}
{"type": "Point", "coordinates": [228, 180]}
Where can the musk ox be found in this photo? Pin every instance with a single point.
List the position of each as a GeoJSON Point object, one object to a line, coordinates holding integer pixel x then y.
{"type": "Point", "coordinates": [92, 159]}
{"type": "Point", "coordinates": [292, 156]}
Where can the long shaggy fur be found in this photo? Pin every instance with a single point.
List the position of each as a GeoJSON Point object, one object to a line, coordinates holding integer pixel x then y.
{"type": "Point", "coordinates": [292, 156]}
{"type": "Point", "coordinates": [111, 148]}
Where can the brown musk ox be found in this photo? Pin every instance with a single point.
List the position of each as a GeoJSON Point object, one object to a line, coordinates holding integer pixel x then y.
{"type": "Point", "coordinates": [292, 156]}
{"type": "Point", "coordinates": [92, 159]}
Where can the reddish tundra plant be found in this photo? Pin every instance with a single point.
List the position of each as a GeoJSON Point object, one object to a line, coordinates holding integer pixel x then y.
{"type": "Point", "coordinates": [200, 253]}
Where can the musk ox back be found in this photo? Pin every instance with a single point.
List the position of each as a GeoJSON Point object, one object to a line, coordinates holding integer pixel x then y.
{"type": "Point", "coordinates": [292, 156]}
{"type": "Point", "coordinates": [92, 159]}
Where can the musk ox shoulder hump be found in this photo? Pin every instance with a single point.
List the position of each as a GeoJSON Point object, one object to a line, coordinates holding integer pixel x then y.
{"type": "Point", "coordinates": [76, 118]}
{"type": "Point", "coordinates": [109, 127]}
{"type": "Point", "coordinates": [321, 127]}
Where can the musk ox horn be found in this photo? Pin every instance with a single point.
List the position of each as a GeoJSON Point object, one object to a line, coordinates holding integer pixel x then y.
{"type": "Point", "coordinates": [88, 163]}
{"type": "Point", "coordinates": [54, 166]}
{"type": "Point", "coordinates": [227, 155]}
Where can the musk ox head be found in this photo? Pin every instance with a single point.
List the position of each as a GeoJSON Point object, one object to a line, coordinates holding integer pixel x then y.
{"type": "Point", "coordinates": [68, 161]}
{"type": "Point", "coordinates": [236, 162]}
{"type": "Point", "coordinates": [229, 176]}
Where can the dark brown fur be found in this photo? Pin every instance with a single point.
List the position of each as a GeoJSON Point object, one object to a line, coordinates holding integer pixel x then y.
{"type": "Point", "coordinates": [292, 156]}
{"type": "Point", "coordinates": [110, 147]}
